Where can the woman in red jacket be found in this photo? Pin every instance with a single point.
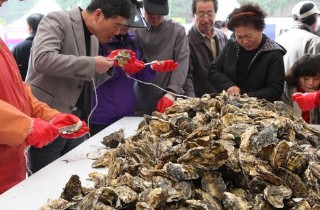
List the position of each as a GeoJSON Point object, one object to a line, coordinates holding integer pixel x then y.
{"type": "Point", "coordinates": [24, 121]}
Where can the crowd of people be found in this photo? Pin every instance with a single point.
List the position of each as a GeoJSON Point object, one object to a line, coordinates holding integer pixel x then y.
{"type": "Point", "coordinates": [75, 71]}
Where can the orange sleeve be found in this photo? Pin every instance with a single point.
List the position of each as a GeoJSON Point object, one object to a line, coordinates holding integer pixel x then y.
{"type": "Point", "coordinates": [40, 109]}
{"type": "Point", "coordinates": [15, 125]}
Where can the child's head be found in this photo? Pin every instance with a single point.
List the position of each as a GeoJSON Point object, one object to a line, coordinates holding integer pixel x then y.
{"type": "Point", "coordinates": [305, 73]}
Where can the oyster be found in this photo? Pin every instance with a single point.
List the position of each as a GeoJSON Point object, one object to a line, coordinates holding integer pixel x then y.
{"type": "Point", "coordinates": [57, 204]}
{"type": "Point", "coordinates": [231, 201]}
{"type": "Point", "coordinates": [275, 195]}
{"type": "Point", "coordinates": [214, 152]}
{"type": "Point", "coordinates": [114, 139]}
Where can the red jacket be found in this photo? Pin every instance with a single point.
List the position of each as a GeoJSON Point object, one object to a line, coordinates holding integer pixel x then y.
{"type": "Point", "coordinates": [17, 107]}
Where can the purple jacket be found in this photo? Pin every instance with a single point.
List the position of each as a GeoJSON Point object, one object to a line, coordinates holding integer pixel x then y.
{"type": "Point", "coordinates": [116, 95]}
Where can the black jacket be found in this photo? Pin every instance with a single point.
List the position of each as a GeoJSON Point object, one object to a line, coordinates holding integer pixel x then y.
{"type": "Point", "coordinates": [21, 53]}
{"type": "Point", "coordinates": [265, 75]}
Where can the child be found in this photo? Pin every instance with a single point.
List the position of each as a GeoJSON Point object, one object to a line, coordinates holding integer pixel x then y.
{"type": "Point", "coordinates": [302, 83]}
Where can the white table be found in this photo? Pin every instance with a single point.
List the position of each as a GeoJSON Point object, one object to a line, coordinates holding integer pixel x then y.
{"type": "Point", "coordinates": [49, 182]}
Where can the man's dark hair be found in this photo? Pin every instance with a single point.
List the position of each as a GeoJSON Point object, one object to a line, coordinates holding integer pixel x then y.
{"type": "Point", "coordinates": [111, 8]}
{"type": "Point", "coordinates": [310, 20]}
{"type": "Point", "coordinates": [194, 4]}
{"type": "Point", "coordinates": [34, 20]}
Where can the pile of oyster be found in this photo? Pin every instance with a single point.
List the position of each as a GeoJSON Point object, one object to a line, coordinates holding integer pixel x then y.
{"type": "Point", "coordinates": [214, 152]}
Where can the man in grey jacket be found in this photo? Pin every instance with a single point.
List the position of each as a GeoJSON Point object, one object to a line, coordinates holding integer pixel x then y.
{"type": "Point", "coordinates": [64, 60]}
{"type": "Point", "coordinates": [302, 38]}
{"type": "Point", "coordinates": [162, 40]}
{"type": "Point", "coordinates": [205, 42]}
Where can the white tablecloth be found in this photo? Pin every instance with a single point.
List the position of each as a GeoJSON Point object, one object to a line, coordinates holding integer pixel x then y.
{"type": "Point", "coordinates": [49, 182]}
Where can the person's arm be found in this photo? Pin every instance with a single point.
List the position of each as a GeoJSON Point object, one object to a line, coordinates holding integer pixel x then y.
{"type": "Point", "coordinates": [178, 76]}
{"type": "Point", "coordinates": [15, 125]}
{"type": "Point", "coordinates": [274, 81]}
{"type": "Point", "coordinates": [217, 76]}
{"type": "Point", "coordinates": [42, 112]}
{"type": "Point", "coordinates": [39, 109]}
{"type": "Point", "coordinates": [50, 54]}
{"type": "Point", "coordinates": [181, 56]}
{"type": "Point", "coordinates": [307, 101]}
{"type": "Point", "coordinates": [188, 86]}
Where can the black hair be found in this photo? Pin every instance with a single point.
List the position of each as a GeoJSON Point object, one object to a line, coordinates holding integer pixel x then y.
{"type": "Point", "coordinates": [247, 14]}
{"type": "Point", "coordinates": [310, 20]}
{"type": "Point", "coordinates": [111, 8]}
{"type": "Point", "coordinates": [34, 20]}
{"type": "Point", "coordinates": [307, 65]}
{"type": "Point", "coordinates": [194, 5]}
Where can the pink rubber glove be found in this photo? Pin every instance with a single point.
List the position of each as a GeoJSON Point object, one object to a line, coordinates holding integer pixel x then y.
{"type": "Point", "coordinates": [63, 120]}
{"type": "Point", "coordinates": [42, 133]}
{"type": "Point", "coordinates": [164, 66]}
{"type": "Point", "coordinates": [306, 101]}
{"type": "Point", "coordinates": [165, 102]}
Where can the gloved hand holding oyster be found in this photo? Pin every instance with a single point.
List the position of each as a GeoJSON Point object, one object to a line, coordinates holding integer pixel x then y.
{"type": "Point", "coordinates": [127, 60]}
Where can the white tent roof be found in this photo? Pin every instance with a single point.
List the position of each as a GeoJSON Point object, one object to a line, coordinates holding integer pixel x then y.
{"type": "Point", "coordinates": [42, 6]}
{"type": "Point", "coordinates": [225, 7]}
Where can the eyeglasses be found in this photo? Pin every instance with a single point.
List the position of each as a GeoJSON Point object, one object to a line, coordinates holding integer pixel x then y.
{"type": "Point", "coordinates": [202, 15]}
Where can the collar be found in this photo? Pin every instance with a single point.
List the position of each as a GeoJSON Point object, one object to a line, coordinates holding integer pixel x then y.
{"type": "Point", "coordinates": [204, 35]}
{"type": "Point", "coordinates": [87, 33]}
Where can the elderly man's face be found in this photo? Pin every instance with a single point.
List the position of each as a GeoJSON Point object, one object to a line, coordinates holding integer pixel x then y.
{"type": "Point", "coordinates": [153, 19]}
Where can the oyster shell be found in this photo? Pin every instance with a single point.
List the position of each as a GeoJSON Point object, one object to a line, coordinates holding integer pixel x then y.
{"type": "Point", "coordinates": [275, 195]}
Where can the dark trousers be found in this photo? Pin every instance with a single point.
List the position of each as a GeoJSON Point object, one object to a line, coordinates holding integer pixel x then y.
{"type": "Point", "coordinates": [40, 157]}
{"type": "Point", "coordinates": [94, 129]}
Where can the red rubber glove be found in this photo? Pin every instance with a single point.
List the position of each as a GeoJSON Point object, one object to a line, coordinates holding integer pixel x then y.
{"type": "Point", "coordinates": [63, 120]}
{"type": "Point", "coordinates": [164, 66]}
{"type": "Point", "coordinates": [165, 102]}
{"type": "Point", "coordinates": [118, 60]}
{"type": "Point", "coordinates": [134, 67]}
{"type": "Point", "coordinates": [306, 101]}
{"type": "Point", "coordinates": [42, 133]}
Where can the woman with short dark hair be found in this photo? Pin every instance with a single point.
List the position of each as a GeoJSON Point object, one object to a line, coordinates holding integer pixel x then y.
{"type": "Point", "coordinates": [251, 63]}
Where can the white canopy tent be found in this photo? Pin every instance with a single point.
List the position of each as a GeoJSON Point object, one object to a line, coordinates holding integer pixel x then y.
{"type": "Point", "coordinates": [225, 7]}
{"type": "Point", "coordinates": [42, 6]}
{"type": "Point", "coordinates": [18, 30]}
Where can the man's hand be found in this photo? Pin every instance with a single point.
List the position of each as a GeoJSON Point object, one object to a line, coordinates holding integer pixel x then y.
{"type": "Point", "coordinates": [102, 64]}
{"type": "Point", "coordinates": [133, 68]}
{"type": "Point", "coordinates": [165, 102]}
{"type": "Point", "coordinates": [70, 126]}
{"type": "Point", "coordinates": [164, 66]}
{"type": "Point", "coordinates": [306, 101]}
{"type": "Point", "coordinates": [234, 90]}
{"type": "Point", "coordinates": [41, 133]}
{"type": "Point", "coordinates": [126, 59]}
